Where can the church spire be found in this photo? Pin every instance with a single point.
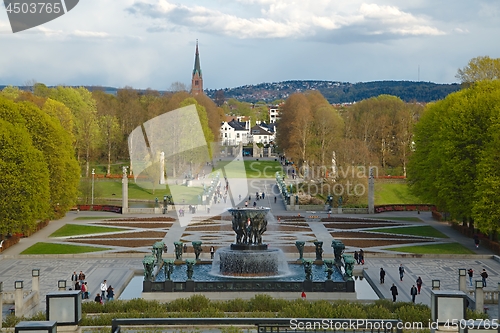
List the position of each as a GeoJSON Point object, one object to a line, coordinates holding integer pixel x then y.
{"type": "Point", "coordinates": [197, 80]}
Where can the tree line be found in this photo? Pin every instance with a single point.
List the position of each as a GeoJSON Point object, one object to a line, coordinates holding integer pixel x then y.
{"type": "Point", "coordinates": [457, 140]}
{"type": "Point", "coordinates": [377, 131]}
{"type": "Point", "coordinates": [50, 137]}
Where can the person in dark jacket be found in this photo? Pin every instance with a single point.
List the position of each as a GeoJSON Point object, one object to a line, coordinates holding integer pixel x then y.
{"type": "Point", "coordinates": [394, 292]}
{"type": "Point", "coordinates": [382, 275]}
{"type": "Point", "coordinates": [413, 293]}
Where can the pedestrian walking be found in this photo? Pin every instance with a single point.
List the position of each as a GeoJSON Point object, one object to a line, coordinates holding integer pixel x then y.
{"type": "Point", "coordinates": [303, 295]}
{"type": "Point", "coordinates": [361, 256]}
{"type": "Point", "coordinates": [185, 248]}
{"type": "Point", "coordinates": [484, 276]}
{"type": "Point", "coordinates": [356, 257]}
{"type": "Point", "coordinates": [476, 241]}
{"type": "Point", "coordinates": [274, 199]}
{"type": "Point", "coordinates": [471, 274]}
{"type": "Point", "coordinates": [419, 284]}
{"type": "Point", "coordinates": [382, 275]}
{"type": "Point", "coordinates": [246, 203]}
{"type": "Point", "coordinates": [413, 293]}
{"type": "Point", "coordinates": [74, 278]}
{"type": "Point", "coordinates": [111, 293]}
{"type": "Point", "coordinates": [401, 272]}
{"type": "Point", "coordinates": [394, 292]}
{"type": "Point", "coordinates": [254, 204]}
{"type": "Point", "coordinates": [212, 251]}
{"type": "Point", "coordinates": [81, 277]}
{"type": "Point", "coordinates": [104, 288]}
{"type": "Point", "coordinates": [165, 248]}
{"type": "Point", "coordinates": [84, 290]}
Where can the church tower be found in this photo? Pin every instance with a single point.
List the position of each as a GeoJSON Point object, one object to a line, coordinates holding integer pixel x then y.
{"type": "Point", "coordinates": [197, 81]}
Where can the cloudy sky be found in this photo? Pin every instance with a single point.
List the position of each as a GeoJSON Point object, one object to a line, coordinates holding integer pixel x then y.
{"type": "Point", "coordinates": [151, 43]}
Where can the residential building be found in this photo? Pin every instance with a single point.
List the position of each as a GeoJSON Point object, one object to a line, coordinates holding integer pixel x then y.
{"type": "Point", "coordinates": [234, 132]}
{"type": "Point", "coordinates": [274, 114]}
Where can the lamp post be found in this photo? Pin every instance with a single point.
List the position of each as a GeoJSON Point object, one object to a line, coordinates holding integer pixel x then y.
{"type": "Point", "coordinates": [499, 298]}
{"type": "Point", "coordinates": [462, 273]}
{"type": "Point", "coordinates": [436, 284]}
{"type": "Point", "coordinates": [18, 298]}
{"type": "Point", "coordinates": [1, 303]}
{"type": "Point", "coordinates": [479, 296]}
{"type": "Point", "coordinates": [61, 284]}
{"type": "Point", "coordinates": [93, 174]}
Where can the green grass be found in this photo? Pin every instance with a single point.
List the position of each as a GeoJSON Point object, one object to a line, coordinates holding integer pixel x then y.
{"type": "Point", "coordinates": [49, 248]}
{"type": "Point", "coordinates": [448, 248]}
{"type": "Point", "coordinates": [112, 188]}
{"type": "Point", "coordinates": [425, 230]}
{"type": "Point", "coordinates": [75, 229]}
{"type": "Point", "coordinates": [93, 218]}
{"type": "Point", "coordinates": [403, 218]}
{"type": "Point", "coordinates": [394, 193]}
{"type": "Point", "coordinates": [253, 169]}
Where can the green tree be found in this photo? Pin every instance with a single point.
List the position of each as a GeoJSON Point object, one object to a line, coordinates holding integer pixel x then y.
{"type": "Point", "coordinates": [479, 69]}
{"type": "Point", "coordinates": [10, 92]}
{"type": "Point", "coordinates": [86, 130]}
{"type": "Point", "coordinates": [110, 136]}
{"type": "Point", "coordinates": [54, 142]}
{"type": "Point", "coordinates": [450, 140]}
{"type": "Point", "coordinates": [61, 112]}
{"type": "Point", "coordinates": [486, 209]}
{"type": "Point", "coordinates": [24, 185]}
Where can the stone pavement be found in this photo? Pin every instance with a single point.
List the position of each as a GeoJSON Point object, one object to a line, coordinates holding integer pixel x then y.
{"type": "Point", "coordinates": [118, 267]}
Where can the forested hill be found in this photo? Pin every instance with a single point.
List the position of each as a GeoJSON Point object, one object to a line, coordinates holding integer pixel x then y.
{"type": "Point", "coordinates": [341, 92]}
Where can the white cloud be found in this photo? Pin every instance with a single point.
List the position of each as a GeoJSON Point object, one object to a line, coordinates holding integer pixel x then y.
{"type": "Point", "coordinates": [90, 34]}
{"type": "Point", "coordinates": [287, 19]}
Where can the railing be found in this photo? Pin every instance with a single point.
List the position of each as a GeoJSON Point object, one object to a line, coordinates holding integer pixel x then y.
{"type": "Point", "coordinates": [490, 296]}
{"type": "Point", "coordinates": [271, 324]}
{"type": "Point", "coordinates": [404, 207]}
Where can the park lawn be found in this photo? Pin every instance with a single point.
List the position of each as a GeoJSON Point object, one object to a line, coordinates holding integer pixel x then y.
{"type": "Point", "coordinates": [447, 248]}
{"type": "Point", "coordinates": [75, 229]}
{"type": "Point", "coordinates": [253, 169]}
{"type": "Point", "coordinates": [112, 188]}
{"type": "Point", "coordinates": [49, 248]}
{"type": "Point", "coordinates": [394, 193]}
{"type": "Point", "coordinates": [403, 218]}
{"type": "Point", "coordinates": [93, 218]}
{"type": "Point", "coordinates": [425, 230]}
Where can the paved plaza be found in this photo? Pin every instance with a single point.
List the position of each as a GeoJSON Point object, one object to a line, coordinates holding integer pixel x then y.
{"type": "Point", "coordinates": [119, 264]}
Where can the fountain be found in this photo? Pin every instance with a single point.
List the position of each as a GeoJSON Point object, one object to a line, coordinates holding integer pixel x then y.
{"type": "Point", "coordinates": [248, 265]}
{"type": "Point", "coordinates": [248, 256]}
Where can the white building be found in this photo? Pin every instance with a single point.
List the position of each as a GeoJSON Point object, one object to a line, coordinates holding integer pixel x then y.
{"type": "Point", "coordinates": [274, 114]}
{"type": "Point", "coordinates": [261, 134]}
{"type": "Point", "coordinates": [234, 132]}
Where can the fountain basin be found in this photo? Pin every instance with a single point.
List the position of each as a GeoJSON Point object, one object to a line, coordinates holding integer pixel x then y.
{"type": "Point", "coordinates": [250, 263]}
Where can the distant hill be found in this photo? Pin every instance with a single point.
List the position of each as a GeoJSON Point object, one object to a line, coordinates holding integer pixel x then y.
{"type": "Point", "coordinates": [341, 92]}
{"type": "Point", "coordinates": [334, 92]}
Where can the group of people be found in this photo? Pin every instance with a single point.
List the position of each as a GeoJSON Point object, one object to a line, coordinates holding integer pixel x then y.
{"type": "Point", "coordinates": [359, 257]}
{"type": "Point", "coordinates": [79, 283]}
{"type": "Point", "coordinates": [414, 291]}
{"type": "Point", "coordinates": [484, 276]}
{"type": "Point", "coordinates": [107, 292]}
